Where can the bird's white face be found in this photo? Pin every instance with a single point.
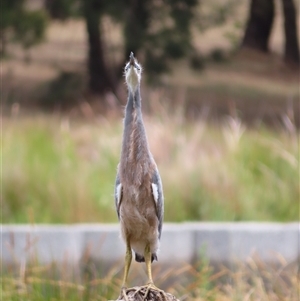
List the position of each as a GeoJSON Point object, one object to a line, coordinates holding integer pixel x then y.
{"type": "Point", "coordinates": [133, 73]}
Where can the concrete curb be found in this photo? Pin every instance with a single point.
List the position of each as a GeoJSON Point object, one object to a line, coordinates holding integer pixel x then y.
{"type": "Point", "coordinates": [218, 242]}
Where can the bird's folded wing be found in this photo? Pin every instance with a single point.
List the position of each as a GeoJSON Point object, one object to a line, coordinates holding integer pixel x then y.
{"type": "Point", "coordinates": [157, 193]}
{"type": "Point", "coordinates": [118, 194]}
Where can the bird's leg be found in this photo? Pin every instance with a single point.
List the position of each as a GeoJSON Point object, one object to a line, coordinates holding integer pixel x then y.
{"type": "Point", "coordinates": [150, 285]}
{"type": "Point", "coordinates": [128, 258]}
{"type": "Point", "coordinates": [147, 256]}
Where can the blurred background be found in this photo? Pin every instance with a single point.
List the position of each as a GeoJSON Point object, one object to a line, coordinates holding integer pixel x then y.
{"type": "Point", "coordinates": [220, 100]}
{"type": "Point", "coordinates": [221, 107]}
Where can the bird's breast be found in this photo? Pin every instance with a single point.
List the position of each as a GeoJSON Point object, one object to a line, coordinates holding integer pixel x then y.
{"type": "Point", "coordinates": [138, 215]}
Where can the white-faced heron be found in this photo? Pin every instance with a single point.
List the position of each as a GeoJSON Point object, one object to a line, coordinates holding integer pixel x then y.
{"type": "Point", "coordinates": [138, 190]}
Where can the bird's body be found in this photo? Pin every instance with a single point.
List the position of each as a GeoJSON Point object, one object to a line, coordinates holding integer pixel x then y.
{"type": "Point", "coordinates": [139, 225]}
{"type": "Point", "coordinates": [138, 189]}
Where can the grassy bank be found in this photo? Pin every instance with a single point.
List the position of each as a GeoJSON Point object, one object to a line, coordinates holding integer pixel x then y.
{"type": "Point", "coordinates": [60, 170]}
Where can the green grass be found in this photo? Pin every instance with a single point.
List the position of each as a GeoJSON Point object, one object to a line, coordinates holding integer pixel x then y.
{"type": "Point", "coordinates": [51, 174]}
{"type": "Point", "coordinates": [251, 281]}
{"type": "Point", "coordinates": [59, 170]}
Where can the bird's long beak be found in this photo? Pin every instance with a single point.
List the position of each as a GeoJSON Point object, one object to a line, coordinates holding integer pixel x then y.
{"type": "Point", "coordinates": [131, 59]}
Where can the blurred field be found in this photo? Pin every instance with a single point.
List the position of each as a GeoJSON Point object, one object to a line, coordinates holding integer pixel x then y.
{"type": "Point", "coordinates": [225, 137]}
{"type": "Point", "coordinates": [251, 281]}
{"type": "Point", "coordinates": [62, 170]}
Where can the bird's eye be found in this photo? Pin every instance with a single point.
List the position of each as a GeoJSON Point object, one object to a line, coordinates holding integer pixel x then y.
{"type": "Point", "coordinates": [126, 67]}
{"type": "Point", "coordinates": [137, 67]}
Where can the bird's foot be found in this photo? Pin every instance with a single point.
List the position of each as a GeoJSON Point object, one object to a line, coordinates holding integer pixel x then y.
{"type": "Point", "coordinates": [123, 293]}
{"type": "Point", "coordinates": [150, 290]}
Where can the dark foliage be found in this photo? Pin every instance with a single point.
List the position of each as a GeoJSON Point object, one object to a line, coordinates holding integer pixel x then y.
{"type": "Point", "coordinates": [62, 9]}
{"type": "Point", "coordinates": [19, 25]}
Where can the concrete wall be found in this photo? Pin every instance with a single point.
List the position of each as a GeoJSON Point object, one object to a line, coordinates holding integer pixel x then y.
{"type": "Point", "coordinates": [218, 242]}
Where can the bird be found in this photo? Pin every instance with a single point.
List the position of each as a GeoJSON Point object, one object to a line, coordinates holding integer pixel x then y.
{"type": "Point", "coordinates": [139, 196]}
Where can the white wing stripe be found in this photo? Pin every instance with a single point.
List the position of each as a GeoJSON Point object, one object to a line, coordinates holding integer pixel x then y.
{"type": "Point", "coordinates": [155, 192]}
{"type": "Point", "coordinates": [119, 188]}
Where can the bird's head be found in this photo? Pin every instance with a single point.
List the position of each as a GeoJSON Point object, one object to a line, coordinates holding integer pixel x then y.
{"type": "Point", "coordinates": [133, 73]}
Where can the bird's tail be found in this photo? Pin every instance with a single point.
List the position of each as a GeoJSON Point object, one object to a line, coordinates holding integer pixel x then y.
{"type": "Point", "coordinates": [140, 258]}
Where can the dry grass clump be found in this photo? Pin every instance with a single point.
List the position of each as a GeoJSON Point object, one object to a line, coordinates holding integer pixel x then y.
{"type": "Point", "coordinates": [144, 293]}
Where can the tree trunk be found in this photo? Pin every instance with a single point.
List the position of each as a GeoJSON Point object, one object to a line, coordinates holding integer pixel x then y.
{"type": "Point", "coordinates": [259, 25]}
{"type": "Point", "coordinates": [291, 49]}
{"type": "Point", "coordinates": [136, 25]}
{"type": "Point", "coordinates": [100, 80]}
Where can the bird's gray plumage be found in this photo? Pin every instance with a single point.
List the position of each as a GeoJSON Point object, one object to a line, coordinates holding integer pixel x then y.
{"type": "Point", "coordinates": [138, 188]}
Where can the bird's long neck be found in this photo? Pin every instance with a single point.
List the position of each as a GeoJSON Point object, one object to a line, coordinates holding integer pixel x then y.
{"type": "Point", "coordinates": [135, 149]}
{"type": "Point", "coordinates": [133, 102]}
